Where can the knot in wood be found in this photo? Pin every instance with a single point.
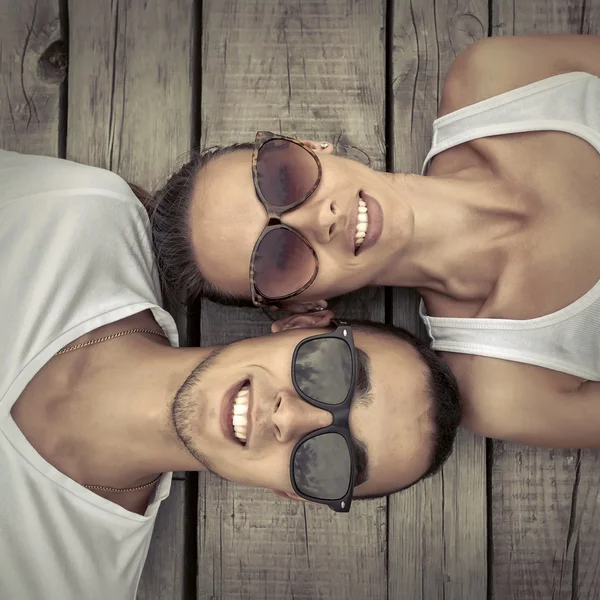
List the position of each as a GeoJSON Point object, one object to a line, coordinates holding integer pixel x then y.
{"type": "Point", "coordinates": [52, 63]}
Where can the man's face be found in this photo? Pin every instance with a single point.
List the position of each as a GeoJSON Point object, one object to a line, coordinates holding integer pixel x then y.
{"type": "Point", "coordinates": [389, 417]}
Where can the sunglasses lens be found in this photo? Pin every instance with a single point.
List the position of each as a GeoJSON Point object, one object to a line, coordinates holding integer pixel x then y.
{"type": "Point", "coordinates": [286, 172]}
{"type": "Point", "coordinates": [322, 467]}
{"type": "Point", "coordinates": [323, 369]}
{"type": "Point", "coordinates": [283, 263]}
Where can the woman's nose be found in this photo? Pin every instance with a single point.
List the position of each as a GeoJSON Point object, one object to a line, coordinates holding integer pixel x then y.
{"type": "Point", "coordinates": [316, 220]}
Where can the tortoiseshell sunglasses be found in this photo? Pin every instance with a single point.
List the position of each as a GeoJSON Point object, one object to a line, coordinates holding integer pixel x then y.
{"type": "Point", "coordinates": [285, 172]}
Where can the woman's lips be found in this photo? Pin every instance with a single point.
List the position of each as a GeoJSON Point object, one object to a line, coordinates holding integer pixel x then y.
{"type": "Point", "coordinates": [375, 223]}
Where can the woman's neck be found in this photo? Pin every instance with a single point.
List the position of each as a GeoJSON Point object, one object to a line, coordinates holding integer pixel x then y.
{"type": "Point", "coordinates": [464, 227]}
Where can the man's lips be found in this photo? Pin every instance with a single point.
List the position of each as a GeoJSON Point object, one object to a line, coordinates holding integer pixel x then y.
{"type": "Point", "coordinates": [227, 412]}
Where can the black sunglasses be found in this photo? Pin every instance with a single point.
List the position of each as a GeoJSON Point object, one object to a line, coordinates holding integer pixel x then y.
{"type": "Point", "coordinates": [323, 464]}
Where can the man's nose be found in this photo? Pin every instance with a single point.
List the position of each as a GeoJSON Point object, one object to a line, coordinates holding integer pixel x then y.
{"type": "Point", "coordinates": [294, 418]}
{"type": "Point", "coordinates": [317, 220]}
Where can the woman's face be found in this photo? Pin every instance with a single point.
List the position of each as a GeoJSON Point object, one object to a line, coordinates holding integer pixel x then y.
{"type": "Point", "coordinates": [227, 218]}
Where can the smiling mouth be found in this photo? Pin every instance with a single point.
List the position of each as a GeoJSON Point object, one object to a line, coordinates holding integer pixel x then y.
{"type": "Point", "coordinates": [362, 224]}
{"type": "Point", "coordinates": [235, 414]}
{"type": "Point", "coordinates": [239, 414]}
{"type": "Point", "coordinates": [369, 223]}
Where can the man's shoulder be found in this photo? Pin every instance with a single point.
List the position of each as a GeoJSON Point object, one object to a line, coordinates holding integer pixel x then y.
{"type": "Point", "coordinates": [73, 249]}
{"type": "Point", "coordinates": [28, 176]}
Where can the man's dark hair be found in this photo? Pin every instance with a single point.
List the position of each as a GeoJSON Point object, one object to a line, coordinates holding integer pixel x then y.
{"type": "Point", "coordinates": [443, 391]}
{"type": "Point", "coordinates": [168, 208]}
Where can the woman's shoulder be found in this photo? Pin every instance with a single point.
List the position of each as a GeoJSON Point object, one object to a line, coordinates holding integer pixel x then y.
{"type": "Point", "coordinates": [495, 65]}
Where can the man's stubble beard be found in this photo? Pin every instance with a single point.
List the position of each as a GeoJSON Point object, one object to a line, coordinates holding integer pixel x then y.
{"type": "Point", "coordinates": [184, 405]}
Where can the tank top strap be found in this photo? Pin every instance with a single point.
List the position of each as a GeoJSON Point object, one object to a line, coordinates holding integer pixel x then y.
{"type": "Point", "coordinates": [568, 102]}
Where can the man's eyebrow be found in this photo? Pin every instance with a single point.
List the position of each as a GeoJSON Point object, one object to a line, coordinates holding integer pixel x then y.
{"type": "Point", "coordinates": [362, 462]}
{"type": "Point", "coordinates": [362, 398]}
{"type": "Point", "coordinates": [362, 390]}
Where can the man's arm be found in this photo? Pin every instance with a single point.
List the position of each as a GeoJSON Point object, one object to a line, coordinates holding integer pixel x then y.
{"type": "Point", "coordinates": [527, 404]}
{"type": "Point", "coordinates": [496, 65]}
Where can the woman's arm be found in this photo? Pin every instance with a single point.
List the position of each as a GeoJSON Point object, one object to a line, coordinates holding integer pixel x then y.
{"type": "Point", "coordinates": [496, 65]}
{"type": "Point", "coordinates": [527, 404]}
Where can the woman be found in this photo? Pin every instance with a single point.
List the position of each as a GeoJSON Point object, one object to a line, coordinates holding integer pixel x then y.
{"type": "Point", "coordinates": [500, 236]}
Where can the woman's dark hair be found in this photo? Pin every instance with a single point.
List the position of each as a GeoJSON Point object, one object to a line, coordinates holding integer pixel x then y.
{"type": "Point", "coordinates": [168, 208]}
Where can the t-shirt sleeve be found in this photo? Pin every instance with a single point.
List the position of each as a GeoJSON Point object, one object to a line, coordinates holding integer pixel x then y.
{"type": "Point", "coordinates": [74, 246]}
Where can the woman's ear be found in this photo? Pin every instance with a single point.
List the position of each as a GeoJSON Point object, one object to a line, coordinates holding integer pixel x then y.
{"type": "Point", "coordinates": [303, 306]}
{"type": "Point", "coordinates": [319, 147]}
{"type": "Point", "coordinates": [320, 318]}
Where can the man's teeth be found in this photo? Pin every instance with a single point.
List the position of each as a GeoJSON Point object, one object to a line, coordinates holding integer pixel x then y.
{"type": "Point", "coordinates": [362, 224]}
{"type": "Point", "coordinates": [240, 414]}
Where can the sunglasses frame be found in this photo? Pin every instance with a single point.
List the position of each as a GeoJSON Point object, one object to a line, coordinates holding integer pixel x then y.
{"type": "Point", "coordinates": [274, 217]}
{"type": "Point", "coordinates": [340, 413]}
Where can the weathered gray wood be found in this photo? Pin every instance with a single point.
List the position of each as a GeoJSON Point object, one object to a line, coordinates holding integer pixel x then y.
{"type": "Point", "coordinates": [32, 68]}
{"type": "Point", "coordinates": [254, 545]}
{"type": "Point", "coordinates": [438, 529]}
{"type": "Point", "coordinates": [162, 578]}
{"type": "Point", "coordinates": [591, 18]}
{"type": "Point", "coordinates": [130, 102]}
{"type": "Point", "coordinates": [537, 525]}
{"type": "Point", "coordinates": [585, 526]}
{"type": "Point", "coordinates": [315, 70]}
{"type": "Point", "coordinates": [130, 87]}
{"type": "Point", "coordinates": [536, 17]}
{"type": "Point", "coordinates": [532, 500]}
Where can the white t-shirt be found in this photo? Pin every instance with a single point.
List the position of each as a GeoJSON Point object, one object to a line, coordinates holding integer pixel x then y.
{"type": "Point", "coordinates": [75, 254]}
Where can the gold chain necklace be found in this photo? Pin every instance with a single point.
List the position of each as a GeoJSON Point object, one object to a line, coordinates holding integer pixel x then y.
{"type": "Point", "coordinates": [109, 337]}
{"type": "Point", "coordinates": [106, 488]}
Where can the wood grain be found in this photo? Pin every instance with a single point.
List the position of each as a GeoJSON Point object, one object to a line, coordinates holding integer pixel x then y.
{"type": "Point", "coordinates": [590, 23]}
{"type": "Point", "coordinates": [315, 70]}
{"type": "Point", "coordinates": [585, 526]}
{"type": "Point", "coordinates": [130, 103]}
{"type": "Point", "coordinates": [162, 577]}
{"type": "Point", "coordinates": [537, 17]}
{"type": "Point", "coordinates": [543, 501]}
{"type": "Point", "coordinates": [532, 503]}
{"type": "Point", "coordinates": [438, 529]}
{"type": "Point", "coordinates": [130, 86]}
{"type": "Point", "coordinates": [32, 69]}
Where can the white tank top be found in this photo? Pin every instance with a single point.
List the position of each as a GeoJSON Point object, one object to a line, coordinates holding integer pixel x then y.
{"type": "Point", "coordinates": [567, 340]}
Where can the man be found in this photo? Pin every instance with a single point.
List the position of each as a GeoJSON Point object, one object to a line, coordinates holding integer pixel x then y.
{"type": "Point", "coordinates": [98, 406]}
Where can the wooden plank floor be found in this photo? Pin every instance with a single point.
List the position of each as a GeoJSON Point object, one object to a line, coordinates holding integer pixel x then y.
{"type": "Point", "coordinates": [133, 86]}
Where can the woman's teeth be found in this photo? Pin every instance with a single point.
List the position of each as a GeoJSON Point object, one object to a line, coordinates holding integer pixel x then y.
{"type": "Point", "coordinates": [362, 224]}
{"type": "Point", "coordinates": [240, 413]}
